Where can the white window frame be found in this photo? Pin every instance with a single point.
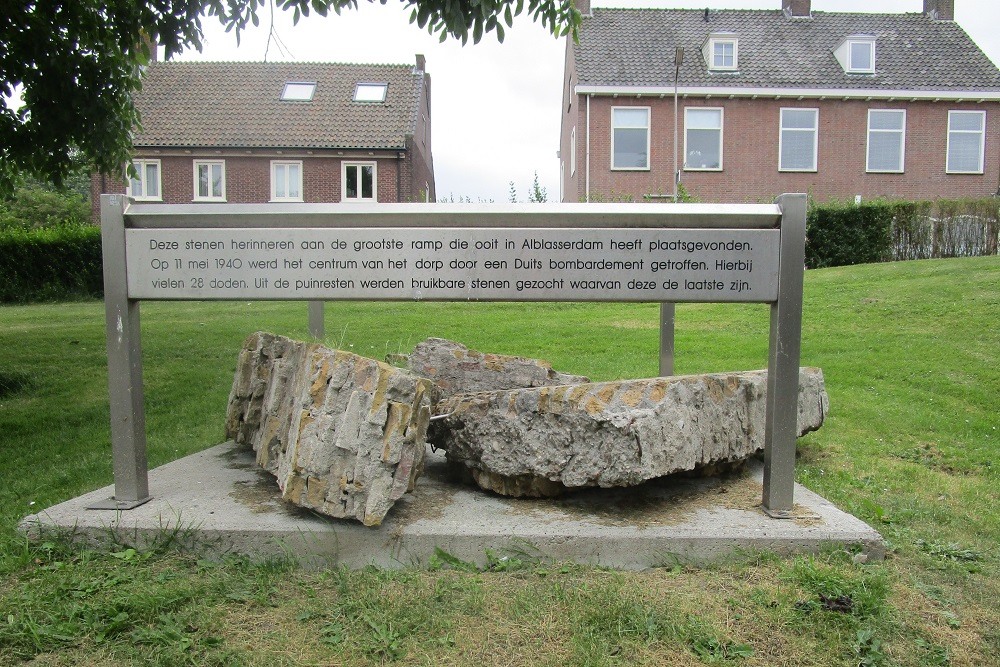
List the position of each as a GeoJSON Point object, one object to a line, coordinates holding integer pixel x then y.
{"type": "Point", "coordinates": [781, 138]}
{"type": "Point", "coordinates": [295, 91]}
{"type": "Point", "coordinates": [719, 42]}
{"type": "Point", "coordinates": [140, 167]}
{"type": "Point", "coordinates": [982, 140]}
{"type": "Point", "coordinates": [368, 87]}
{"type": "Point", "coordinates": [851, 44]}
{"type": "Point", "coordinates": [275, 163]}
{"type": "Point", "coordinates": [343, 181]}
{"type": "Point", "coordinates": [209, 163]}
{"type": "Point", "coordinates": [572, 151]}
{"type": "Point", "coordinates": [902, 142]}
{"type": "Point", "coordinates": [649, 122]}
{"type": "Point", "coordinates": [722, 124]}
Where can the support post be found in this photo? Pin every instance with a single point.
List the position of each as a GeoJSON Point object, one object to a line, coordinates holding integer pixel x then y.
{"type": "Point", "coordinates": [781, 411]}
{"type": "Point", "coordinates": [128, 416]}
{"type": "Point", "coordinates": [316, 327]}
{"type": "Point", "coordinates": [666, 339]}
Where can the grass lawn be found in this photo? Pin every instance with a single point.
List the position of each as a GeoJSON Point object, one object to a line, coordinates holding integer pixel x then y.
{"type": "Point", "coordinates": [910, 353]}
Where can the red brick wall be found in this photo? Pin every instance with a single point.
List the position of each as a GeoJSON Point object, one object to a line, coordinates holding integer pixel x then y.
{"type": "Point", "coordinates": [248, 178]}
{"type": "Point", "coordinates": [750, 152]}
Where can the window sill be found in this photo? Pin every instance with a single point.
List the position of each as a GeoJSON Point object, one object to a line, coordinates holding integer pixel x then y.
{"type": "Point", "coordinates": [629, 168]}
{"type": "Point", "coordinates": [964, 173]}
{"type": "Point", "coordinates": [284, 200]}
{"type": "Point", "coordinates": [146, 199]}
{"type": "Point", "coordinates": [697, 169]}
{"type": "Point", "coordinates": [209, 200]}
{"type": "Point", "coordinates": [884, 171]}
{"type": "Point", "coordinates": [798, 171]}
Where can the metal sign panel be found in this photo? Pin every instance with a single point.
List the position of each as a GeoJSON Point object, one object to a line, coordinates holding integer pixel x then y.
{"type": "Point", "coordinates": [482, 264]}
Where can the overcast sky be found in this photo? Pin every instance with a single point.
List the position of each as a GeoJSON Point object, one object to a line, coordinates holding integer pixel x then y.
{"type": "Point", "coordinates": [496, 106]}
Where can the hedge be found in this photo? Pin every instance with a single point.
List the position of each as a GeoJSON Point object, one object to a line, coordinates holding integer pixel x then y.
{"type": "Point", "coordinates": [838, 234]}
{"type": "Point", "coordinates": [49, 264]}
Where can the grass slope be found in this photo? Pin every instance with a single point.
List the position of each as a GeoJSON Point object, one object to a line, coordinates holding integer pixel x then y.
{"type": "Point", "coordinates": [910, 356]}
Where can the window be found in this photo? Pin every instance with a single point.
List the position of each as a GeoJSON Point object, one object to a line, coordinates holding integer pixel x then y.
{"type": "Point", "coordinates": [370, 92]}
{"type": "Point", "coordinates": [360, 182]}
{"type": "Point", "coordinates": [724, 54]}
{"type": "Point", "coordinates": [703, 139]}
{"type": "Point", "coordinates": [630, 138]}
{"type": "Point", "coordinates": [209, 180]}
{"type": "Point", "coordinates": [298, 91]}
{"type": "Point", "coordinates": [798, 140]}
{"type": "Point", "coordinates": [721, 51]}
{"type": "Point", "coordinates": [861, 57]}
{"type": "Point", "coordinates": [572, 151]}
{"type": "Point", "coordinates": [146, 186]}
{"type": "Point", "coordinates": [966, 142]}
{"type": "Point", "coordinates": [286, 180]}
{"type": "Point", "coordinates": [886, 140]}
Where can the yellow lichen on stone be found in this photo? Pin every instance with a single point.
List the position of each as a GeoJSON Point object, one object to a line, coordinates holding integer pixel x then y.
{"type": "Point", "coordinates": [378, 398]}
{"type": "Point", "coordinates": [657, 392]}
{"type": "Point", "coordinates": [632, 395]}
{"type": "Point", "coordinates": [316, 489]}
{"type": "Point", "coordinates": [294, 488]}
{"type": "Point", "coordinates": [607, 392]}
{"type": "Point", "coordinates": [317, 391]}
{"type": "Point", "coordinates": [594, 405]}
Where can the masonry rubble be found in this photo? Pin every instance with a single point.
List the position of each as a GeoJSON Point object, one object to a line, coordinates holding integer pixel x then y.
{"type": "Point", "coordinates": [458, 370]}
{"type": "Point", "coordinates": [346, 435]}
{"type": "Point", "coordinates": [343, 434]}
{"type": "Point", "coordinates": [542, 441]}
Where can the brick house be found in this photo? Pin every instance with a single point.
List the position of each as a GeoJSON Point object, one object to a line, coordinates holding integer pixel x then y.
{"type": "Point", "coordinates": [839, 105]}
{"type": "Point", "coordinates": [243, 132]}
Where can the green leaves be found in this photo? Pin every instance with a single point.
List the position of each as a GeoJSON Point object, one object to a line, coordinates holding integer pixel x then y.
{"type": "Point", "coordinates": [77, 65]}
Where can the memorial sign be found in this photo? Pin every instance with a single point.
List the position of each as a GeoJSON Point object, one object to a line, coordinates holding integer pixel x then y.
{"type": "Point", "coordinates": [493, 264]}
{"type": "Point", "coordinates": [622, 252]}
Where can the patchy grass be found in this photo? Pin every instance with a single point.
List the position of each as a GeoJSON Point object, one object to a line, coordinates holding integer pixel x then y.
{"type": "Point", "coordinates": [910, 356]}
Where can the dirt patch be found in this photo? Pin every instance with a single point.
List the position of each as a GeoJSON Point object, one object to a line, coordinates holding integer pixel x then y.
{"type": "Point", "coordinates": [667, 501]}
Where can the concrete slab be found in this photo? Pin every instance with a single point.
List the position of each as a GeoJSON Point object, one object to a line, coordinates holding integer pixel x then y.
{"type": "Point", "coordinates": [218, 502]}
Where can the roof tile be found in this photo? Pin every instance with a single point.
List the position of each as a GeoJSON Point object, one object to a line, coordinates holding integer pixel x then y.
{"type": "Point", "coordinates": [238, 105]}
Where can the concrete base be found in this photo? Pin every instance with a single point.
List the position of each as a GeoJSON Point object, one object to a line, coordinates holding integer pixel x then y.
{"type": "Point", "coordinates": [218, 502]}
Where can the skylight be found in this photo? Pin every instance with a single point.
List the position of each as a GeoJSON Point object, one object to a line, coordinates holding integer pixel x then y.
{"type": "Point", "coordinates": [370, 92]}
{"type": "Point", "coordinates": [298, 91]}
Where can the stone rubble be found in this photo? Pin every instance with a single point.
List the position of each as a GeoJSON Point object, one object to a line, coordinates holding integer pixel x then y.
{"type": "Point", "coordinates": [539, 442]}
{"type": "Point", "coordinates": [458, 370]}
{"type": "Point", "coordinates": [343, 434]}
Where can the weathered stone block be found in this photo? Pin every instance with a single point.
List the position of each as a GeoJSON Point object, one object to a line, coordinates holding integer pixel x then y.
{"type": "Point", "coordinates": [344, 435]}
{"type": "Point", "coordinates": [541, 441]}
{"type": "Point", "coordinates": [458, 370]}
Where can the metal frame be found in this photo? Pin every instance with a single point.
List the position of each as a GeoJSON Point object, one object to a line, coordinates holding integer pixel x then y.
{"type": "Point", "coordinates": [128, 430]}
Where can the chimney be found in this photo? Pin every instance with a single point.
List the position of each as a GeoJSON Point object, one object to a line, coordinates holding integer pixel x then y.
{"type": "Point", "coordinates": [940, 10]}
{"type": "Point", "coordinates": [583, 6]}
{"type": "Point", "coordinates": [421, 63]}
{"type": "Point", "coordinates": [800, 9]}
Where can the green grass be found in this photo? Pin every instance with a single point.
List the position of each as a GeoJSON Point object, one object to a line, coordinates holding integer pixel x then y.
{"type": "Point", "coordinates": [910, 355]}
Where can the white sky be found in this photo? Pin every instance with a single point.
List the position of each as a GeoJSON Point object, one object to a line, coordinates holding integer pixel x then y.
{"type": "Point", "coordinates": [496, 107]}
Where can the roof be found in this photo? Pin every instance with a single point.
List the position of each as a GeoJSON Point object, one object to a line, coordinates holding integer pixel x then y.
{"type": "Point", "coordinates": [635, 47]}
{"type": "Point", "coordinates": [237, 105]}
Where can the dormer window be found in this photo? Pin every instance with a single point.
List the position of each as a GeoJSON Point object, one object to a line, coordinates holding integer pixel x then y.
{"type": "Point", "coordinates": [370, 92]}
{"type": "Point", "coordinates": [298, 91]}
{"type": "Point", "coordinates": [856, 54]}
{"type": "Point", "coordinates": [722, 52]}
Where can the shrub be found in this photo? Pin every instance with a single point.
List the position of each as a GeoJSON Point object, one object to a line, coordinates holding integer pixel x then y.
{"type": "Point", "coordinates": [40, 208]}
{"type": "Point", "coordinates": [50, 263]}
{"type": "Point", "coordinates": [838, 234]}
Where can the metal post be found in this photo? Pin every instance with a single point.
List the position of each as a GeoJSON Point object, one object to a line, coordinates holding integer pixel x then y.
{"type": "Point", "coordinates": [128, 416]}
{"type": "Point", "coordinates": [783, 361]}
{"type": "Point", "coordinates": [666, 339]}
{"type": "Point", "coordinates": [316, 328]}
